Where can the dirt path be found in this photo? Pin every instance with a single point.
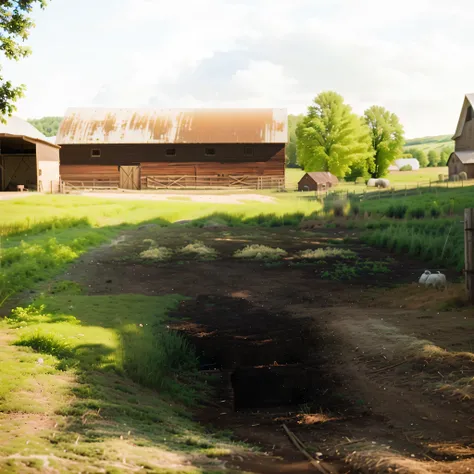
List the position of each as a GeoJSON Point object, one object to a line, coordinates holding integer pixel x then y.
{"type": "Point", "coordinates": [367, 375]}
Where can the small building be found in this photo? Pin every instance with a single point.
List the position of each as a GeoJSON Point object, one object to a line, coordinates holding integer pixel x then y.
{"type": "Point", "coordinates": [462, 159]}
{"type": "Point", "coordinates": [413, 162]}
{"type": "Point", "coordinates": [27, 159]}
{"type": "Point", "coordinates": [173, 148]}
{"type": "Point", "coordinates": [317, 181]}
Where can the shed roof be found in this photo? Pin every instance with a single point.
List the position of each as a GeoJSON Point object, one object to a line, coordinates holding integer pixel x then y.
{"type": "Point", "coordinates": [17, 127]}
{"type": "Point", "coordinates": [322, 177]}
{"type": "Point", "coordinates": [88, 126]}
{"type": "Point", "coordinates": [466, 157]}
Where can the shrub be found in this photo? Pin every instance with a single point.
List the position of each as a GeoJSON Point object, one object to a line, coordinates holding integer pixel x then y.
{"type": "Point", "coordinates": [199, 250]}
{"type": "Point", "coordinates": [260, 252]}
{"type": "Point", "coordinates": [337, 207]}
{"type": "Point", "coordinates": [397, 211]}
{"type": "Point", "coordinates": [417, 213]}
{"type": "Point", "coordinates": [435, 210]}
{"type": "Point", "coordinates": [151, 358]}
{"type": "Point", "coordinates": [406, 168]}
{"type": "Point", "coordinates": [46, 343]}
{"type": "Point", "coordinates": [462, 175]}
{"type": "Point", "coordinates": [360, 180]}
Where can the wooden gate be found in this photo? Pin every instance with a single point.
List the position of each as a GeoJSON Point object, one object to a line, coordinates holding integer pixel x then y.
{"type": "Point", "coordinates": [130, 177]}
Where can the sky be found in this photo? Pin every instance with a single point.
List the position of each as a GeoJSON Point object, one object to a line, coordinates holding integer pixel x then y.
{"type": "Point", "coordinates": [410, 56]}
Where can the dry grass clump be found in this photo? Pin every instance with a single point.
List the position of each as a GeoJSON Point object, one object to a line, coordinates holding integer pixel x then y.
{"type": "Point", "coordinates": [315, 254]}
{"type": "Point", "coordinates": [366, 457]}
{"type": "Point", "coordinates": [157, 253]}
{"type": "Point", "coordinates": [199, 251]}
{"type": "Point", "coordinates": [260, 252]}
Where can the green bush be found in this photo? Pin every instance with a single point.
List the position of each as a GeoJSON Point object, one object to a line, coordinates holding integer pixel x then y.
{"type": "Point", "coordinates": [435, 210]}
{"type": "Point", "coordinates": [397, 211]}
{"type": "Point", "coordinates": [46, 343]}
{"type": "Point", "coordinates": [417, 213]}
{"type": "Point", "coordinates": [360, 180]}
{"type": "Point", "coordinates": [406, 168]}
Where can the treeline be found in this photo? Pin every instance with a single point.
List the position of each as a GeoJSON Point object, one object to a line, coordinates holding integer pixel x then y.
{"type": "Point", "coordinates": [48, 126]}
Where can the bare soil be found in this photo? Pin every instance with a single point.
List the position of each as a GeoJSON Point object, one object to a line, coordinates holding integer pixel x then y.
{"type": "Point", "coordinates": [354, 368]}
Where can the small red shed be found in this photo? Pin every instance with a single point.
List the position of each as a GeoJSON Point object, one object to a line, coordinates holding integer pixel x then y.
{"type": "Point", "coordinates": [317, 181]}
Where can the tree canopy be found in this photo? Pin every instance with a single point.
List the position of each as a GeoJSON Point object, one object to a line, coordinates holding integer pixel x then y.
{"type": "Point", "coordinates": [48, 126]}
{"type": "Point", "coordinates": [420, 155]}
{"type": "Point", "coordinates": [15, 27]}
{"type": "Point", "coordinates": [387, 137]}
{"type": "Point", "coordinates": [331, 137]}
{"type": "Point", "coordinates": [433, 158]}
{"type": "Point", "coordinates": [291, 154]}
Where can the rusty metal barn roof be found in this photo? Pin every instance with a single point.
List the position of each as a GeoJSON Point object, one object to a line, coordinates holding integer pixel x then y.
{"type": "Point", "coordinates": [86, 126]}
{"type": "Point", "coordinates": [19, 128]}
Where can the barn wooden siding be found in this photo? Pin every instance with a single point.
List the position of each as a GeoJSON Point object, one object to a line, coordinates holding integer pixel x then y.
{"type": "Point", "coordinates": [77, 162]}
{"type": "Point", "coordinates": [455, 166]}
{"type": "Point", "coordinates": [466, 140]}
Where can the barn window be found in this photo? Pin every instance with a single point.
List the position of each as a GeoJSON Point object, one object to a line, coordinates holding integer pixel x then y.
{"type": "Point", "coordinates": [95, 153]}
{"type": "Point", "coordinates": [210, 152]}
{"type": "Point", "coordinates": [248, 151]}
{"type": "Point", "coordinates": [171, 152]}
{"type": "Point", "coordinates": [469, 114]}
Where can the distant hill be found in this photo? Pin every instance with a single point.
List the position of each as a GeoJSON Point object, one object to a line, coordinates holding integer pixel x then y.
{"type": "Point", "coordinates": [431, 143]}
{"type": "Point", "coordinates": [48, 126]}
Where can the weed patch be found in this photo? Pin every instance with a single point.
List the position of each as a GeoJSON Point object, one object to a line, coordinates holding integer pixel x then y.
{"type": "Point", "coordinates": [160, 254]}
{"type": "Point", "coordinates": [46, 343]}
{"type": "Point", "coordinates": [199, 251]}
{"type": "Point", "coordinates": [327, 252]}
{"type": "Point", "coordinates": [260, 252]}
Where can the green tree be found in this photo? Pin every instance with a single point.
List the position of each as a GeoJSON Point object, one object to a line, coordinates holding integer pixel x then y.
{"type": "Point", "coordinates": [433, 158]}
{"type": "Point", "coordinates": [291, 153]}
{"type": "Point", "coordinates": [420, 155]}
{"type": "Point", "coordinates": [15, 27]}
{"type": "Point", "coordinates": [444, 156]}
{"type": "Point", "coordinates": [331, 137]}
{"type": "Point", "coordinates": [49, 126]}
{"type": "Point", "coordinates": [387, 137]}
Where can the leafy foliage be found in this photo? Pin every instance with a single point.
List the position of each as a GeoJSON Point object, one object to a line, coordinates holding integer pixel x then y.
{"type": "Point", "coordinates": [48, 126]}
{"type": "Point", "coordinates": [420, 155]}
{"type": "Point", "coordinates": [387, 137]}
{"type": "Point", "coordinates": [433, 158]}
{"type": "Point", "coordinates": [291, 152]}
{"type": "Point", "coordinates": [331, 137]}
{"type": "Point", "coordinates": [406, 168]}
{"type": "Point", "coordinates": [15, 27]}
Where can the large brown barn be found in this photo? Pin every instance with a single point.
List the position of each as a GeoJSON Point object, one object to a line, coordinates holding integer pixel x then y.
{"type": "Point", "coordinates": [146, 148]}
{"type": "Point", "coordinates": [463, 157]}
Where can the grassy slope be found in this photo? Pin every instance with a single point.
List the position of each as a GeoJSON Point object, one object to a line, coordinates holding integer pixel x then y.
{"type": "Point", "coordinates": [430, 143]}
{"type": "Point", "coordinates": [83, 414]}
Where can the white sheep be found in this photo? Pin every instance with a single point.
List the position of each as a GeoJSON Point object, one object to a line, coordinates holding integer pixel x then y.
{"type": "Point", "coordinates": [437, 280]}
{"type": "Point", "coordinates": [424, 277]}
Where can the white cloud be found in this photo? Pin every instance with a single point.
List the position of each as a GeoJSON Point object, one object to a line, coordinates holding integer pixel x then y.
{"type": "Point", "coordinates": [410, 56]}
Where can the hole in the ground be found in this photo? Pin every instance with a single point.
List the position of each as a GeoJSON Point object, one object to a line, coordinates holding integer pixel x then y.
{"type": "Point", "coordinates": [272, 386]}
{"type": "Point", "coordinates": [263, 357]}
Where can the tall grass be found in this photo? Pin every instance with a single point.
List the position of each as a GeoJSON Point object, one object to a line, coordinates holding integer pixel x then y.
{"type": "Point", "coordinates": [440, 242]}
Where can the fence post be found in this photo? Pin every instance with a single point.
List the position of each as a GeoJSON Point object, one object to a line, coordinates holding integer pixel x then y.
{"type": "Point", "coordinates": [469, 252]}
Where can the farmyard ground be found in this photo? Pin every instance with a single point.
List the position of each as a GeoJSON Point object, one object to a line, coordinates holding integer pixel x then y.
{"type": "Point", "coordinates": [390, 366]}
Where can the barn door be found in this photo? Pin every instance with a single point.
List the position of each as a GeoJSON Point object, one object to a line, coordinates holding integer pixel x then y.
{"type": "Point", "coordinates": [130, 177]}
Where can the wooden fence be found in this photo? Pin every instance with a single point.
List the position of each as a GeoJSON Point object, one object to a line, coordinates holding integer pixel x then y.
{"type": "Point", "coordinates": [212, 182]}
{"type": "Point", "coordinates": [89, 185]}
